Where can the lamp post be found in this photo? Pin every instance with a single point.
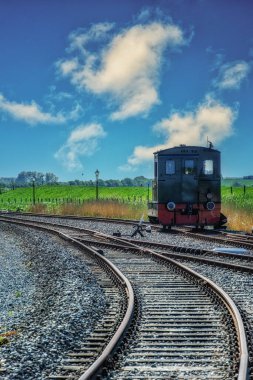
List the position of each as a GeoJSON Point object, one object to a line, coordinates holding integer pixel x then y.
{"type": "Point", "coordinates": [33, 183]}
{"type": "Point", "coordinates": [97, 174]}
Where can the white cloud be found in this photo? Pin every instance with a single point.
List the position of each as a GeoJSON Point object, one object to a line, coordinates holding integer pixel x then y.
{"type": "Point", "coordinates": [80, 38]}
{"type": "Point", "coordinates": [210, 119]}
{"type": "Point", "coordinates": [30, 113]}
{"type": "Point", "coordinates": [231, 75]}
{"type": "Point", "coordinates": [72, 108]}
{"type": "Point", "coordinates": [127, 69]}
{"type": "Point", "coordinates": [144, 14]}
{"type": "Point", "coordinates": [66, 67]}
{"type": "Point", "coordinates": [82, 141]}
{"type": "Point", "coordinates": [76, 112]}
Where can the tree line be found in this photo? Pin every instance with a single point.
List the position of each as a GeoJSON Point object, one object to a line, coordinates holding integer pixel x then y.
{"type": "Point", "coordinates": [126, 182]}
{"type": "Point", "coordinates": [26, 178]}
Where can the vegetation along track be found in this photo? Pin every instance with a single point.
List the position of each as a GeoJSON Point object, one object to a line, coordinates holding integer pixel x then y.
{"type": "Point", "coordinates": [187, 327]}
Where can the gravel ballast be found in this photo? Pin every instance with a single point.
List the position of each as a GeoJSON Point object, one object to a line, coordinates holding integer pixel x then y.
{"type": "Point", "coordinates": [50, 302]}
{"type": "Point", "coordinates": [126, 231]}
{"type": "Point", "coordinates": [52, 291]}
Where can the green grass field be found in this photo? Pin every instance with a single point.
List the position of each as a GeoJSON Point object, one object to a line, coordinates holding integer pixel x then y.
{"type": "Point", "coordinates": [238, 181]}
{"type": "Point", "coordinates": [118, 202]}
{"type": "Point", "coordinates": [23, 197]}
{"type": "Point", "coordinates": [240, 198]}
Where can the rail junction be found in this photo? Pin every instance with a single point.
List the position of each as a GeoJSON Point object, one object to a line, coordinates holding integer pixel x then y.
{"type": "Point", "coordinates": [167, 317]}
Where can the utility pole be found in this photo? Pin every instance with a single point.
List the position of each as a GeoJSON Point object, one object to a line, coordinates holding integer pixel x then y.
{"type": "Point", "coordinates": [97, 175]}
{"type": "Point", "coordinates": [33, 183]}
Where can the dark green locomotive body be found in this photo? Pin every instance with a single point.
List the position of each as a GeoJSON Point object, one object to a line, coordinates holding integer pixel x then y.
{"type": "Point", "coordinates": [186, 187]}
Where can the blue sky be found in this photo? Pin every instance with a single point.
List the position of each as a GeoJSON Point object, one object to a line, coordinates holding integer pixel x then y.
{"type": "Point", "coordinates": [101, 84]}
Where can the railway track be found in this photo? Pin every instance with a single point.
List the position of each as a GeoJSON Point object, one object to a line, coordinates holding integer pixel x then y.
{"type": "Point", "coordinates": [109, 331]}
{"type": "Point", "coordinates": [241, 240]}
{"type": "Point", "coordinates": [239, 286]}
{"type": "Point", "coordinates": [84, 362]}
{"type": "Point", "coordinates": [242, 261]}
{"type": "Point", "coordinates": [235, 239]}
{"type": "Point", "coordinates": [185, 323]}
{"type": "Point", "coordinates": [231, 259]}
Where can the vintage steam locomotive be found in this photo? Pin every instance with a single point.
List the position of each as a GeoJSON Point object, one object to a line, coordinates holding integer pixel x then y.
{"type": "Point", "coordinates": [186, 187]}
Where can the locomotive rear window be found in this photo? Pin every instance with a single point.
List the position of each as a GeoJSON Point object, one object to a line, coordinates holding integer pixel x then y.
{"type": "Point", "coordinates": [170, 167]}
{"type": "Point", "coordinates": [188, 167]}
{"type": "Point", "coordinates": [208, 167]}
{"type": "Point", "coordinates": [156, 169]}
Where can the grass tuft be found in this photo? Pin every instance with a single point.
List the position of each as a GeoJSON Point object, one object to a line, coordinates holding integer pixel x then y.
{"type": "Point", "coordinates": [238, 219]}
{"type": "Point", "coordinates": [3, 340]}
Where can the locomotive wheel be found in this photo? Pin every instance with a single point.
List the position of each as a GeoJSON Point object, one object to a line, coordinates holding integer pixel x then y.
{"type": "Point", "coordinates": [153, 220]}
{"type": "Point", "coordinates": [166, 228]}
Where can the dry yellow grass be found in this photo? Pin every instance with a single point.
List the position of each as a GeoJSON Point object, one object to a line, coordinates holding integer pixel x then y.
{"type": "Point", "coordinates": [105, 209]}
{"type": "Point", "coordinates": [38, 208]}
{"type": "Point", "coordinates": [238, 220]}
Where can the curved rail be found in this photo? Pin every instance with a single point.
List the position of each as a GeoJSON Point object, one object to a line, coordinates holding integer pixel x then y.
{"type": "Point", "coordinates": [195, 254]}
{"type": "Point", "coordinates": [243, 361]}
{"type": "Point", "coordinates": [111, 346]}
{"type": "Point", "coordinates": [241, 240]}
{"type": "Point", "coordinates": [238, 240]}
{"type": "Point", "coordinates": [119, 334]}
{"type": "Point", "coordinates": [74, 217]}
{"type": "Point", "coordinates": [243, 365]}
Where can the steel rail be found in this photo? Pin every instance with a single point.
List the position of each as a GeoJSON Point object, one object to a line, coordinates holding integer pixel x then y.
{"type": "Point", "coordinates": [117, 337]}
{"type": "Point", "coordinates": [242, 341]}
{"type": "Point", "coordinates": [222, 238]}
{"type": "Point", "coordinates": [243, 366]}
{"type": "Point", "coordinates": [195, 251]}
{"type": "Point", "coordinates": [187, 256]}
{"type": "Point", "coordinates": [239, 234]}
{"type": "Point", "coordinates": [173, 248]}
{"type": "Point", "coordinates": [74, 217]}
{"type": "Point", "coordinates": [187, 251]}
{"type": "Point", "coordinates": [119, 334]}
{"type": "Point", "coordinates": [229, 303]}
{"type": "Point", "coordinates": [245, 241]}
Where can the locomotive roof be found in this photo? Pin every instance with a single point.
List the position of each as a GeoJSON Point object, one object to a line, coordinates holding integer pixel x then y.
{"type": "Point", "coordinates": [183, 148]}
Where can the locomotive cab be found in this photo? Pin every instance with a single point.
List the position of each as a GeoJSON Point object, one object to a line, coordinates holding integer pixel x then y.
{"type": "Point", "coordinates": [186, 187]}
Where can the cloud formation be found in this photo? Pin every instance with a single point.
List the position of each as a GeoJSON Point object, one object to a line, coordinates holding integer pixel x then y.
{"type": "Point", "coordinates": [81, 37]}
{"type": "Point", "coordinates": [82, 141]}
{"type": "Point", "coordinates": [210, 118]}
{"type": "Point", "coordinates": [30, 113]}
{"type": "Point", "coordinates": [231, 75]}
{"type": "Point", "coordinates": [126, 69]}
